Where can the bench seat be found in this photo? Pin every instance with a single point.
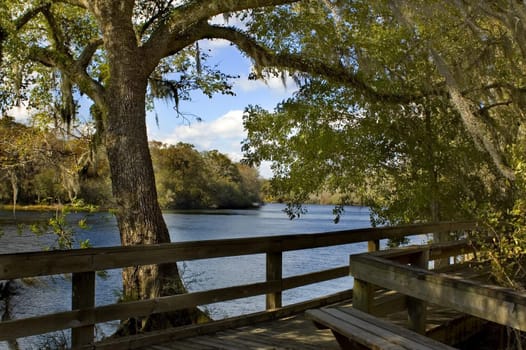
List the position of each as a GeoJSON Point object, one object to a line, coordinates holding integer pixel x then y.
{"type": "Point", "coordinates": [356, 329]}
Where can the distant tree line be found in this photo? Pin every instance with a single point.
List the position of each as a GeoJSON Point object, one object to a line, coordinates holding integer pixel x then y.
{"type": "Point", "coordinates": [39, 166]}
{"type": "Point", "coordinates": [188, 179]}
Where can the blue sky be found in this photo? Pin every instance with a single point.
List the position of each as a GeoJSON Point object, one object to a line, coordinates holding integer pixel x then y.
{"type": "Point", "coordinates": [221, 127]}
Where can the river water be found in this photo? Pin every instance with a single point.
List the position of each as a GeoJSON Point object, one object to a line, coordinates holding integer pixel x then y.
{"type": "Point", "coordinates": [54, 294]}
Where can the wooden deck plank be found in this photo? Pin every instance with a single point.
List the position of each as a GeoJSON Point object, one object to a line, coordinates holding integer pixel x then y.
{"type": "Point", "coordinates": [288, 343]}
{"type": "Point", "coordinates": [243, 341]}
{"type": "Point", "coordinates": [214, 343]}
{"type": "Point", "coordinates": [160, 347]}
{"type": "Point", "coordinates": [185, 345]}
{"type": "Point", "coordinates": [292, 333]}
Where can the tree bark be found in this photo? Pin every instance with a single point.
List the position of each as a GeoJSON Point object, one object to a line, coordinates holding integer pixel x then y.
{"type": "Point", "coordinates": [14, 186]}
{"type": "Point", "coordinates": [139, 216]}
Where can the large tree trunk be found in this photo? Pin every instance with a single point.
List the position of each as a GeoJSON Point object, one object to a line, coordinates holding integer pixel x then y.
{"type": "Point", "coordinates": [139, 216]}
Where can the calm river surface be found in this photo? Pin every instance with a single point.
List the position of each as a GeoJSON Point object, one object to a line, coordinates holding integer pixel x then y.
{"type": "Point", "coordinates": [53, 294]}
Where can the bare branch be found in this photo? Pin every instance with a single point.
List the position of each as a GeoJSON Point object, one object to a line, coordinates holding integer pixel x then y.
{"type": "Point", "coordinates": [485, 109]}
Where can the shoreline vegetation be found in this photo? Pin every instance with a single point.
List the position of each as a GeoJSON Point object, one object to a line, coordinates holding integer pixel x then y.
{"type": "Point", "coordinates": [89, 208]}
{"type": "Point", "coordinates": [51, 169]}
{"type": "Point", "coordinates": [75, 177]}
{"type": "Point", "coordinates": [51, 207]}
{"type": "Point", "coordinates": [92, 209]}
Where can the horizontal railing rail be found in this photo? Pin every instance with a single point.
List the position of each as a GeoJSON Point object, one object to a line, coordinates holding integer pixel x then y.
{"type": "Point", "coordinates": [83, 263]}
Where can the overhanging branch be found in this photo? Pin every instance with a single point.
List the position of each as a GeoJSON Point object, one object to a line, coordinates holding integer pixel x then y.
{"type": "Point", "coordinates": [187, 15]}
{"type": "Point", "coordinates": [333, 72]}
{"type": "Point", "coordinates": [56, 31]}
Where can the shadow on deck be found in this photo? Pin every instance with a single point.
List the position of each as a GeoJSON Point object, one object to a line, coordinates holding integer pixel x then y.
{"type": "Point", "coordinates": [293, 332]}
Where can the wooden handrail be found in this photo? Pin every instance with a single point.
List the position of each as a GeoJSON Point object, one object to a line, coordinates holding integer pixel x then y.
{"type": "Point", "coordinates": [497, 304]}
{"type": "Point", "coordinates": [84, 262]}
{"type": "Point", "coordinates": [20, 265]}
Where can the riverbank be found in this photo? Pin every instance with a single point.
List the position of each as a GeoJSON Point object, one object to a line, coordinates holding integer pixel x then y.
{"type": "Point", "coordinates": [93, 208]}
{"type": "Point", "coordinates": [53, 207]}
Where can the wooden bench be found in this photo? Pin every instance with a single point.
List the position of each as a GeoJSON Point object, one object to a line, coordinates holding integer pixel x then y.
{"type": "Point", "coordinates": [356, 329]}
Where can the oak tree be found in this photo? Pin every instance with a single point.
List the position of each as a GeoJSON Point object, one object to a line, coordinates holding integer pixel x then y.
{"type": "Point", "coordinates": [116, 53]}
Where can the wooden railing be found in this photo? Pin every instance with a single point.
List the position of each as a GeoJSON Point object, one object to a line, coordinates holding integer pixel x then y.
{"type": "Point", "coordinates": [83, 264]}
{"type": "Point", "coordinates": [406, 271]}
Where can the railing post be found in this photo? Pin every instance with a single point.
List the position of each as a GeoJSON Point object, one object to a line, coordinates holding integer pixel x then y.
{"type": "Point", "coordinates": [373, 246]}
{"type": "Point", "coordinates": [416, 308]}
{"type": "Point", "coordinates": [441, 237]}
{"type": "Point", "coordinates": [363, 295]}
{"type": "Point", "coordinates": [83, 296]}
{"type": "Point", "coordinates": [274, 273]}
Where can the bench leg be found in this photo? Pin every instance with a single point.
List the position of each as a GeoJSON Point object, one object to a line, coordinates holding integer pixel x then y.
{"type": "Point", "coordinates": [348, 344]}
{"type": "Point", "coordinates": [417, 312]}
{"type": "Point", "coordinates": [319, 325]}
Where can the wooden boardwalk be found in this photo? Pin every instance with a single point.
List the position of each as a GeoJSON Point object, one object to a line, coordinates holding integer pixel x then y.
{"type": "Point", "coordinates": [246, 331]}
{"type": "Point", "coordinates": [293, 332]}
{"type": "Point", "coordinates": [296, 332]}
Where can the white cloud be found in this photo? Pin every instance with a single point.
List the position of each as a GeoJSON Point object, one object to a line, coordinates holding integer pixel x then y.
{"type": "Point", "coordinates": [20, 113]}
{"type": "Point", "coordinates": [233, 21]}
{"type": "Point", "coordinates": [224, 134]}
{"type": "Point", "coordinates": [214, 44]}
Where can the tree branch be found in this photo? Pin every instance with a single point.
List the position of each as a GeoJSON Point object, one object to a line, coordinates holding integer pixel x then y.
{"type": "Point", "coordinates": [466, 109]}
{"type": "Point", "coordinates": [74, 70]}
{"type": "Point", "coordinates": [56, 32]}
{"type": "Point", "coordinates": [88, 52]}
{"type": "Point", "coordinates": [485, 109]}
{"type": "Point", "coordinates": [335, 73]}
{"type": "Point", "coordinates": [477, 128]}
{"type": "Point", "coordinates": [21, 21]}
{"type": "Point", "coordinates": [160, 12]}
{"type": "Point", "coordinates": [197, 11]}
